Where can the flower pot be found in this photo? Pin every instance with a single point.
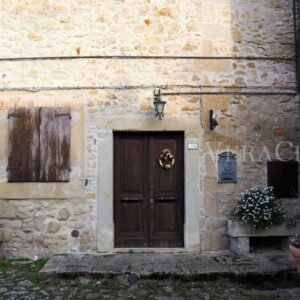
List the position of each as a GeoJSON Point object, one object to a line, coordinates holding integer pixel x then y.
{"type": "Point", "coordinates": [296, 253]}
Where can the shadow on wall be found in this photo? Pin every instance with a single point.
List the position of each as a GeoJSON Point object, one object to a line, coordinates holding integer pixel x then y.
{"type": "Point", "coordinates": [245, 29]}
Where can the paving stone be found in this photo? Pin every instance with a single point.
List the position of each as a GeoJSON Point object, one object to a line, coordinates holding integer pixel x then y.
{"type": "Point", "coordinates": [84, 280]}
{"type": "Point", "coordinates": [44, 293]}
{"type": "Point", "coordinates": [30, 297]}
{"type": "Point", "coordinates": [92, 296]}
{"type": "Point", "coordinates": [3, 290]}
{"type": "Point", "coordinates": [20, 288]}
{"type": "Point", "coordinates": [159, 288]}
{"type": "Point", "coordinates": [25, 283]}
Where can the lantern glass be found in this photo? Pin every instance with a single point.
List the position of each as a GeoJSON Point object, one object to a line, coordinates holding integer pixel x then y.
{"type": "Point", "coordinates": [159, 108]}
{"type": "Point", "coordinates": [160, 105]}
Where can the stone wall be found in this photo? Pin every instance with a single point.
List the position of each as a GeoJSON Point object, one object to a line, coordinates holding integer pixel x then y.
{"type": "Point", "coordinates": [259, 130]}
{"type": "Point", "coordinates": [160, 27]}
{"type": "Point", "coordinates": [103, 58]}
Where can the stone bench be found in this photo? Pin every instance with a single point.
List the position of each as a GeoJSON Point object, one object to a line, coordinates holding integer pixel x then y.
{"type": "Point", "coordinates": [240, 234]}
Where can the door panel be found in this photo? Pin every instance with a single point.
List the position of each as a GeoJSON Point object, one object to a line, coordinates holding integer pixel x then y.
{"type": "Point", "coordinates": [133, 166]}
{"type": "Point", "coordinates": [129, 191]}
{"type": "Point", "coordinates": [148, 200]}
{"type": "Point", "coordinates": [166, 222]}
{"type": "Point", "coordinates": [163, 209]}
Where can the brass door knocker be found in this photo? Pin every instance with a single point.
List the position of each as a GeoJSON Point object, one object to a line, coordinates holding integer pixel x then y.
{"type": "Point", "coordinates": [166, 159]}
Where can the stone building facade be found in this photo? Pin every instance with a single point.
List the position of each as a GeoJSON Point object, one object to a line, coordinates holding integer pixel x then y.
{"type": "Point", "coordinates": [103, 60]}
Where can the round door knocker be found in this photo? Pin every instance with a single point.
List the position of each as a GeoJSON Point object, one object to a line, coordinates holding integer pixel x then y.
{"type": "Point", "coordinates": [166, 159]}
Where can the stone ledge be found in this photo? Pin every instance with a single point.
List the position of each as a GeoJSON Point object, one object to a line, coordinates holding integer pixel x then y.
{"type": "Point", "coordinates": [240, 229]}
{"type": "Point", "coordinates": [74, 189]}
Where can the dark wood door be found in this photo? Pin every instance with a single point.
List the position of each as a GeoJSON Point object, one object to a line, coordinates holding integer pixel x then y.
{"type": "Point", "coordinates": [148, 197]}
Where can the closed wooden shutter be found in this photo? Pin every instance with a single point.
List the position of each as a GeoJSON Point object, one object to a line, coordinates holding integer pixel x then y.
{"type": "Point", "coordinates": [283, 176]}
{"type": "Point", "coordinates": [298, 58]}
{"type": "Point", "coordinates": [23, 145]}
{"type": "Point", "coordinates": [55, 132]}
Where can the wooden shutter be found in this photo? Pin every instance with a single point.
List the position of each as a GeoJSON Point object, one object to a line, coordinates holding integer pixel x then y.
{"type": "Point", "coordinates": [283, 176]}
{"type": "Point", "coordinates": [23, 145]}
{"type": "Point", "coordinates": [298, 59]}
{"type": "Point", "coordinates": [55, 132]}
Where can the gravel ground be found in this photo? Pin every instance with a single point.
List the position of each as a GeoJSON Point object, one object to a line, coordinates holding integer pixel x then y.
{"type": "Point", "coordinates": [19, 279]}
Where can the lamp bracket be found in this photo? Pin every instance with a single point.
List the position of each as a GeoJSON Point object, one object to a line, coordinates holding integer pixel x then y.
{"type": "Point", "coordinates": [213, 123]}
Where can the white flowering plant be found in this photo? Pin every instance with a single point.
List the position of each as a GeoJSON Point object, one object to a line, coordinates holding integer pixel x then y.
{"type": "Point", "coordinates": [259, 208]}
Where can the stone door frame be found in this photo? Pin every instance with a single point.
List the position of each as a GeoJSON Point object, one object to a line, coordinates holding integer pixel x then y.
{"type": "Point", "coordinates": [192, 178]}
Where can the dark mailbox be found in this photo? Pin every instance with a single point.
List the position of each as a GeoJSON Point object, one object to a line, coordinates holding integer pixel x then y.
{"type": "Point", "coordinates": [227, 168]}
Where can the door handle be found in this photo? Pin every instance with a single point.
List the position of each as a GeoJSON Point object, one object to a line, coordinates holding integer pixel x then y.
{"type": "Point", "coordinates": [165, 198]}
{"type": "Point", "coordinates": [151, 200]}
{"type": "Point", "coordinates": [131, 199]}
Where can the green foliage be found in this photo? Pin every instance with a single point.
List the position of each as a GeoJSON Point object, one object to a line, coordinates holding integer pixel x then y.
{"type": "Point", "coordinates": [22, 267]}
{"type": "Point", "coordinates": [4, 267]}
{"type": "Point", "coordinates": [259, 208]}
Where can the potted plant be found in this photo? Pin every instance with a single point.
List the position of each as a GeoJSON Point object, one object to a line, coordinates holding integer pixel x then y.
{"type": "Point", "coordinates": [295, 250]}
{"type": "Point", "coordinates": [259, 208]}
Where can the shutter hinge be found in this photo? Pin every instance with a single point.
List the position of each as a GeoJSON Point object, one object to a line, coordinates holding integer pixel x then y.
{"type": "Point", "coordinates": [63, 115]}
{"type": "Point", "coordinates": [15, 115]}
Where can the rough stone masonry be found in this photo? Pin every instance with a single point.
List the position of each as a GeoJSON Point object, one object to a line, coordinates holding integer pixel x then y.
{"type": "Point", "coordinates": [103, 59]}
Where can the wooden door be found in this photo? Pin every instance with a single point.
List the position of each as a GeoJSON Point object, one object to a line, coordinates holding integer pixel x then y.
{"type": "Point", "coordinates": [148, 196]}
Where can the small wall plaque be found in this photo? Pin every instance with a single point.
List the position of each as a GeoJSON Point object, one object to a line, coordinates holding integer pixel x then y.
{"type": "Point", "coordinates": [227, 171]}
{"type": "Point", "coordinates": [192, 146]}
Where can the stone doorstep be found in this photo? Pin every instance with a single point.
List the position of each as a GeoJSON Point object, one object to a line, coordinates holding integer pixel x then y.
{"type": "Point", "coordinates": [191, 266]}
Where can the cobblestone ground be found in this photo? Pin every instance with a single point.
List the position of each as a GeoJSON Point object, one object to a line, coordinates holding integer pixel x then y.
{"type": "Point", "coordinates": [19, 280]}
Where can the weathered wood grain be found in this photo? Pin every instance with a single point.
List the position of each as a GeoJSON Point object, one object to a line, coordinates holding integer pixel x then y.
{"type": "Point", "coordinates": [64, 139]}
{"type": "Point", "coordinates": [23, 145]}
{"type": "Point", "coordinates": [148, 200]}
{"type": "Point", "coordinates": [55, 130]}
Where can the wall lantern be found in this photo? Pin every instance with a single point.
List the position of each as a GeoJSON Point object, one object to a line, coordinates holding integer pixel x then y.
{"type": "Point", "coordinates": [158, 104]}
{"type": "Point", "coordinates": [212, 120]}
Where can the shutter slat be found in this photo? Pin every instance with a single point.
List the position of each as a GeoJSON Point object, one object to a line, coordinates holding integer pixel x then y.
{"type": "Point", "coordinates": [23, 145]}
{"type": "Point", "coordinates": [48, 145]}
{"type": "Point", "coordinates": [64, 135]}
{"type": "Point", "coordinates": [54, 144]}
{"type": "Point", "coordinates": [298, 55]}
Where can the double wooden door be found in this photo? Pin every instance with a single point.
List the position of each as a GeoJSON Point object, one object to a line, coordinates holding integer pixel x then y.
{"type": "Point", "coordinates": [148, 189]}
